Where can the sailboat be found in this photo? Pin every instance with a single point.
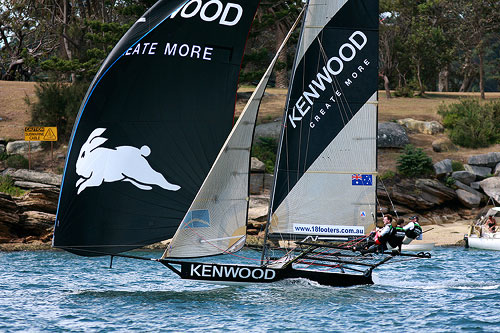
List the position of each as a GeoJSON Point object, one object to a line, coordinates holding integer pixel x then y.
{"type": "Point", "coordinates": [153, 155]}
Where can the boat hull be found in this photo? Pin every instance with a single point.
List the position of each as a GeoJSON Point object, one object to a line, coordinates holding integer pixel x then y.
{"type": "Point", "coordinates": [241, 274]}
{"type": "Point", "coordinates": [418, 247]}
{"type": "Point", "coordinates": [484, 243]}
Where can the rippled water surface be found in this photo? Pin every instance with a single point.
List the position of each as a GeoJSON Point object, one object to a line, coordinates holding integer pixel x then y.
{"type": "Point", "coordinates": [456, 290]}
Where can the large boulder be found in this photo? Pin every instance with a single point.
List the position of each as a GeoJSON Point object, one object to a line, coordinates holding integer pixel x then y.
{"type": "Point", "coordinates": [487, 160]}
{"type": "Point", "coordinates": [268, 130]}
{"type": "Point", "coordinates": [491, 186]}
{"type": "Point", "coordinates": [443, 145]}
{"type": "Point", "coordinates": [256, 165]}
{"type": "Point", "coordinates": [21, 176]}
{"type": "Point", "coordinates": [42, 200]}
{"type": "Point", "coordinates": [391, 135]}
{"type": "Point", "coordinates": [480, 172]}
{"type": "Point", "coordinates": [23, 147]}
{"type": "Point", "coordinates": [465, 177]}
{"type": "Point", "coordinates": [469, 200]}
{"type": "Point", "coordinates": [469, 189]}
{"type": "Point", "coordinates": [425, 127]}
{"type": "Point", "coordinates": [443, 167]}
{"type": "Point", "coordinates": [422, 194]}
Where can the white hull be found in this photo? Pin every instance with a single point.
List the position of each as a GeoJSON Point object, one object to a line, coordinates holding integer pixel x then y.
{"type": "Point", "coordinates": [485, 243]}
{"type": "Point", "coordinates": [418, 247]}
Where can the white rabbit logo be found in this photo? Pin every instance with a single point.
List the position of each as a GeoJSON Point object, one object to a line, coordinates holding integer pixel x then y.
{"type": "Point", "coordinates": [96, 165]}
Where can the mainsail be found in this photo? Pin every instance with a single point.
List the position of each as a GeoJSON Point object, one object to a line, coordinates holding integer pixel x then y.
{"type": "Point", "coordinates": [325, 171]}
{"type": "Point", "coordinates": [151, 126]}
{"type": "Point", "coordinates": [216, 221]}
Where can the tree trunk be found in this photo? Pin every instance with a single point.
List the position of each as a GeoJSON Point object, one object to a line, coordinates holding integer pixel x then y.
{"type": "Point", "coordinates": [281, 70]}
{"type": "Point", "coordinates": [481, 70]}
{"type": "Point", "coordinates": [386, 87]}
{"type": "Point", "coordinates": [420, 85]}
{"type": "Point", "coordinates": [69, 54]}
{"type": "Point", "coordinates": [443, 80]}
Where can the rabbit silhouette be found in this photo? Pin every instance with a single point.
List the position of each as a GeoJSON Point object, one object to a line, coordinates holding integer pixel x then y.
{"type": "Point", "coordinates": [96, 165]}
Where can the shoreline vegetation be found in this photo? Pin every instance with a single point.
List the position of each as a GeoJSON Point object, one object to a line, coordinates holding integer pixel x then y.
{"type": "Point", "coordinates": [14, 116]}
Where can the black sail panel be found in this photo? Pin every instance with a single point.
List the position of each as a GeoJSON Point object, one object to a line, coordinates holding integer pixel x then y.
{"type": "Point", "coordinates": [333, 79]}
{"type": "Point", "coordinates": [151, 125]}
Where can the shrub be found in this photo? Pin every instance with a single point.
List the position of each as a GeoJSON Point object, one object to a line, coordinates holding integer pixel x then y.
{"type": "Point", "coordinates": [457, 166]}
{"type": "Point", "coordinates": [449, 181]}
{"type": "Point", "coordinates": [471, 124]}
{"type": "Point", "coordinates": [17, 162]}
{"type": "Point", "coordinates": [265, 150]}
{"type": "Point", "coordinates": [7, 186]}
{"type": "Point", "coordinates": [57, 105]}
{"type": "Point", "coordinates": [414, 162]}
{"type": "Point", "coordinates": [388, 175]}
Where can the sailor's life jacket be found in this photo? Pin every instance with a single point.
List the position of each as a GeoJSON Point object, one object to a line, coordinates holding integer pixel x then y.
{"type": "Point", "coordinates": [396, 237]}
{"type": "Point", "coordinates": [413, 230]}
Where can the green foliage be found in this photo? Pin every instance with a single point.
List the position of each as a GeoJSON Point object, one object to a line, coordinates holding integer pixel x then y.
{"type": "Point", "coordinates": [387, 175]}
{"type": "Point", "coordinates": [7, 186]}
{"type": "Point", "coordinates": [17, 162]}
{"type": "Point", "coordinates": [471, 124]}
{"type": "Point", "coordinates": [414, 162]}
{"type": "Point", "coordinates": [57, 105]}
{"type": "Point", "coordinates": [457, 166]}
{"type": "Point", "coordinates": [449, 181]}
{"type": "Point", "coordinates": [3, 156]}
{"type": "Point", "coordinates": [265, 150]}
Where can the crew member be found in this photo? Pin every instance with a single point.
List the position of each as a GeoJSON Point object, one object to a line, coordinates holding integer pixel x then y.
{"type": "Point", "coordinates": [379, 242]}
{"type": "Point", "coordinates": [413, 230]}
{"type": "Point", "coordinates": [396, 235]}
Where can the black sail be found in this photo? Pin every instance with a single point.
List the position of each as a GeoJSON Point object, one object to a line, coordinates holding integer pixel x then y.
{"type": "Point", "coordinates": [151, 126]}
{"type": "Point", "coordinates": [334, 77]}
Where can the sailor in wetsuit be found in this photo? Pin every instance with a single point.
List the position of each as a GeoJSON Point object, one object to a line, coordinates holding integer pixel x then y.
{"type": "Point", "coordinates": [378, 239]}
{"type": "Point", "coordinates": [396, 235]}
{"type": "Point", "coordinates": [413, 230]}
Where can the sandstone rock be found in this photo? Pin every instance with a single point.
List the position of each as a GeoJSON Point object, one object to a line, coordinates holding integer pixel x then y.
{"type": "Point", "coordinates": [8, 210]}
{"type": "Point", "coordinates": [268, 130]}
{"type": "Point", "coordinates": [43, 200]}
{"type": "Point", "coordinates": [475, 185]}
{"type": "Point", "coordinates": [258, 208]}
{"type": "Point", "coordinates": [257, 183]}
{"type": "Point", "coordinates": [481, 172]}
{"type": "Point", "coordinates": [489, 160]}
{"type": "Point", "coordinates": [22, 147]}
{"type": "Point", "coordinates": [391, 135]}
{"type": "Point", "coordinates": [443, 167]}
{"type": "Point", "coordinates": [496, 170]}
{"type": "Point", "coordinates": [425, 127]}
{"type": "Point", "coordinates": [256, 165]}
{"type": "Point", "coordinates": [491, 186]}
{"type": "Point", "coordinates": [468, 199]}
{"type": "Point", "coordinates": [37, 223]}
{"type": "Point", "coordinates": [469, 189]}
{"type": "Point", "coordinates": [443, 145]}
{"type": "Point", "coordinates": [33, 176]}
{"type": "Point", "coordinates": [424, 194]}
{"type": "Point", "coordinates": [465, 177]}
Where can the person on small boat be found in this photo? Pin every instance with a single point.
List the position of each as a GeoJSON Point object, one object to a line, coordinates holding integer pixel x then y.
{"type": "Point", "coordinates": [491, 223]}
{"type": "Point", "coordinates": [413, 230]}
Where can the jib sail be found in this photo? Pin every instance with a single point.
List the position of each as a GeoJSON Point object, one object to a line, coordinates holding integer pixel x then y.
{"type": "Point", "coordinates": [151, 126]}
{"type": "Point", "coordinates": [325, 171]}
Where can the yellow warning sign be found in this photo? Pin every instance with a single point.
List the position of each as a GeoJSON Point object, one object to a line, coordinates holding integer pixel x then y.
{"type": "Point", "coordinates": [34, 133]}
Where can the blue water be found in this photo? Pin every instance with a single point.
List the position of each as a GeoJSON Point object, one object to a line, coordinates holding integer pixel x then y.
{"type": "Point", "coordinates": [456, 290]}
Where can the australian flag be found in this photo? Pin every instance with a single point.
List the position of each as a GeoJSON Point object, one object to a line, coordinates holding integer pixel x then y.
{"type": "Point", "coordinates": [362, 180]}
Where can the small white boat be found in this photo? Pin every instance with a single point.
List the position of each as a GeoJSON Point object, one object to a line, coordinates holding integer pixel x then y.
{"type": "Point", "coordinates": [479, 237]}
{"type": "Point", "coordinates": [418, 246]}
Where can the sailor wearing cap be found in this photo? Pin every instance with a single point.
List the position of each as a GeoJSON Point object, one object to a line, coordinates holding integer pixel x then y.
{"type": "Point", "coordinates": [413, 230]}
